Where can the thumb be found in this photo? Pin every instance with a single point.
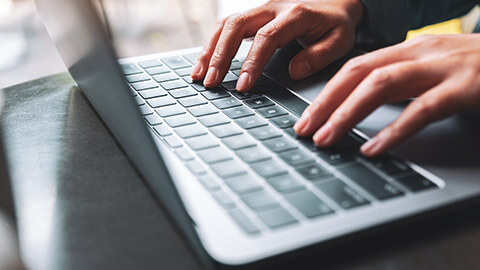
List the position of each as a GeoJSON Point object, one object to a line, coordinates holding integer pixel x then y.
{"type": "Point", "coordinates": [317, 56]}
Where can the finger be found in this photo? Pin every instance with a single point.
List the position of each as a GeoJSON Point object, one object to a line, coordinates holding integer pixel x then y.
{"type": "Point", "coordinates": [235, 29]}
{"type": "Point", "coordinates": [317, 56]}
{"type": "Point", "coordinates": [391, 83]}
{"type": "Point", "coordinates": [343, 83]}
{"type": "Point", "coordinates": [439, 102]}
{"type": "Point", "coordinates": [199, 69]}
{"type": "Point", "coordinates": [275, 34]}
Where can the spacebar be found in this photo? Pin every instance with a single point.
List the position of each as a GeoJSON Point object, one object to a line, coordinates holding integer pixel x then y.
{"type": "Point", "coordinates": [371, 182]}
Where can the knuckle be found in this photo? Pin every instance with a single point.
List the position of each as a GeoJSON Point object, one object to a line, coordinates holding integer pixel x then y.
{"type": "Point", "coordinates": [297, 9]}
{"type": "Point", "coordinates": [236, 20]}
{"type": "Point", "coordinates": [423, 107]}
{"type": "Point", "coordinates": [267, 32]}
{"type": "Point", "coordinates": [216, 58]}
{"type": "Point", "coordinates": [249, 64]}
{"type": "Point", "coordinates": [381, 77]}
{"type": "Point", "coordinates": [356, 64]}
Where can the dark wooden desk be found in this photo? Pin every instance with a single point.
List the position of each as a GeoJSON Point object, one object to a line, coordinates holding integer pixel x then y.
{"type": "Point", "coordinates": [81, 204]}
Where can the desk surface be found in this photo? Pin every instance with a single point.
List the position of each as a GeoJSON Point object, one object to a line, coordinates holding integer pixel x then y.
{"type": "Point", "coordinates": [82, 205]}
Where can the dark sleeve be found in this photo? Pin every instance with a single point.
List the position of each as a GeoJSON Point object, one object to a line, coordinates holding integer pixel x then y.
{"type": "Point", "coordinates": [386, 22]}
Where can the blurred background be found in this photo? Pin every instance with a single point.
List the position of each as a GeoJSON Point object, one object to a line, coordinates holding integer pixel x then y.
{"type": "Point", "coordinates": [138, 27]}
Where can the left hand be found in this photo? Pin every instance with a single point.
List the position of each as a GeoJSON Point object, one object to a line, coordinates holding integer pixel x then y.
{"type": "Point", "coordinates": [441, 72]}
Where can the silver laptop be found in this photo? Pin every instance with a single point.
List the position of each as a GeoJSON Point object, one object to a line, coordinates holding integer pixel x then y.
{"type": "Point", "coordinates": [227, 166]}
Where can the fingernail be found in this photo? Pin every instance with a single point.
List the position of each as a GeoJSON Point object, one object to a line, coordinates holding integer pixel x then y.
{"type": "Point", "coordinates": [243, 81]}
{"type": "Point", "coordinates": [211, 76]}
{"type": "Point", "coordinates": [197, 69]}
{"type": "Point", "coordinates": [370, 146]}
{"type": "Point", "coordinates": [301, 69]}
{"type": "Point", "coordinates": [301, 124]}
{"type": "Point", "coordinates": [324, 135]}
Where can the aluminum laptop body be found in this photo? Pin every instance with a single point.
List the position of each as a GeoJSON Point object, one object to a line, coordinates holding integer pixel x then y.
{"type": "Point", "coordinates": [208, 226]}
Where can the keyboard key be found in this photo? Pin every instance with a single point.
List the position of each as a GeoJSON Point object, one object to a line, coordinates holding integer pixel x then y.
{"type": "Point", "coordinates": [314, 172]}
{"type": "Point", "coordinates": [213, 120]}
{"type": "Point", "coordinates": [157, 70]}
{"type": "Point", "coordinates": [229, 77]}
{"type": "Point", "coordinates": [226, 103]}
{"type": "Point", "coordinates": [190, 131]}
{"type": "Point", "coordinates": [175, 62]}
{"type": "Point", "coordinates": [187, 79]}
{"type": "Point", "coordinates": [228, 168]}
{"type": "Point", "coordinates": [296, 158]}
{"type": "Point", "coordinates": [260, 200]}
{"type": "Point", "coordinates": [308, 204]}
{"type": "Point", "coordinates": [183, 92]}
{"type": "Point", "coordinates": [172, 141]}
{"type": "Point", "coordinates": [334, 156]}
{"type": "Point", "coordinates": [251, 122]}
{"type": "Point", "coordinates": [202, 142]}
{"type": "Point", "coordinates": [184, 71]}
{"type": "Point", "coordinates": [286, 121]}
{"type": "Point", "coordinates": [236, 65]}
{"type": "Point", "coordinates": [153, 119]}
{"type": "Point", "coordinates": [264, 133]}
{"type": "Point", "coordinates": [253, 154]}
{"type": "Point", "coordinates": [285, 183]}
{"type": "Point", "coordinates": [170, 85]}
{"type": "Point", "coordinates": [230, 86]}
{"type": "Point", "coordinates": [236, 71]}
{"type": "Point", "coordinates": [171, 110]}
{"type": "Point", "coordinates": [390, 166]}
{"type": "Point", "coordinates": [191, 57]}
{"type": "Point", "coordinates": [180, 120]}
{"type": "Point", "coordinates": [243, 221]}
{"type": "Point", "coordinates": [244, 183]}
{"type": "Point", "coordinates": [149, 63]}
{"type": "Point", "coordinates": [371, 182]}
{"type": "Point", "coordinates": [195, 167]}
{"type": "Point", "coordinates": [281, 144]}
{"type": "Point", "coordinates": [208, 182]}
{"type": "Point", "coordinates": [416, 182]}
{"type": "Point", "coordinates": [145, 110]}
{"type": "Point", "coordinates": [214, 155]}
{"type": "Point", "coordinates": [350, 142]}
{"type": "Point", "coordinates": [226, 130]}
{"type": "Point", "coordinates": [139, 100]}
{"type": "Point", "coordinates": [184, 154]}
{"type": "Point", "coordinates": [151, 93]}
{"type": "Point", "coordinates": [216, 93]}
{"type": "Point", "coordinates": [162, 130]}
{"type": "Point", "coordinates": [165, 77]}
{"type": "Point", "coordinates": [272, 111]}
{"type": "Point", "coordinates": [161, 101]}
{"type": "Point", "coordinates": [238, 112]}
{"type": "Point", "coordinates": [198, 86]}
{"type": "Point", "coordinates": [192, 101]}
{"type": "Point", "coordinates": [259, 102]}
{"type": "Point", "coordinates": [277, 218]}
{"type": "Point", "coordinates": [203, 110]}
{"type": "Point", "coordinates": [342, 194]}
{"type": "Point", "coordinates": [137, 78]}
{"type": "Point", "coordinates": [268, 168]}
{"type": "Point", "coordinates": [144, 85]}
{"type": "Point", "coordinates": [129, 69]}
{"type": "Point", "coordinates": [239, 142]}
{"type": "Point", "coordinates": [223, 199]}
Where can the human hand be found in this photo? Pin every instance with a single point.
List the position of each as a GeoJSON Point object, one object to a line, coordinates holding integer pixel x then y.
{"type": "Point", "coordinates": [443, 72]}
{"type": "Point", "coordinates": [326, 28]}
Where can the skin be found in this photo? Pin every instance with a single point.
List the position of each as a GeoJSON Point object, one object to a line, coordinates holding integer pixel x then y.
{"type": "Point", "coordinates": [442, 73]}
{"type": "Point", "coordinates": [273, 25]}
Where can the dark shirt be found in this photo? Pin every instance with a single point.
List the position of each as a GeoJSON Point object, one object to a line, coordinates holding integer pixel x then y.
{"type": "Point", "coordinates": [386, 22]}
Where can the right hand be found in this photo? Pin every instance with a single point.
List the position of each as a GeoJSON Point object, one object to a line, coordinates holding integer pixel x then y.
{"type": "Point", "coordinates": [326, 29]}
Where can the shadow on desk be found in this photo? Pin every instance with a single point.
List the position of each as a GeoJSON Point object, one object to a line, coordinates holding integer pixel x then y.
{"type": "Point", "coordinates": [82, 205]}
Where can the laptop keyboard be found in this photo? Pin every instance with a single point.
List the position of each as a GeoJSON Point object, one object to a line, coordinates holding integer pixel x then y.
{"type": "Point", "coordinates": [243, 149]}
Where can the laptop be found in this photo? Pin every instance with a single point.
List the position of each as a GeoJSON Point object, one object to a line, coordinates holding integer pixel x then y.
{"type": "Point", "coordinates": [238, 183]}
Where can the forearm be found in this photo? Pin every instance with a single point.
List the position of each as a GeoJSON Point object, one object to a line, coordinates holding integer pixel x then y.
{"type": "Point", "coordinates": [387, 22]}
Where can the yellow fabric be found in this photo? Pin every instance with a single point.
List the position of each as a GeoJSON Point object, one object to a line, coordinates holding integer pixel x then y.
{"type": "Point", "coordinates": [448, 27]}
